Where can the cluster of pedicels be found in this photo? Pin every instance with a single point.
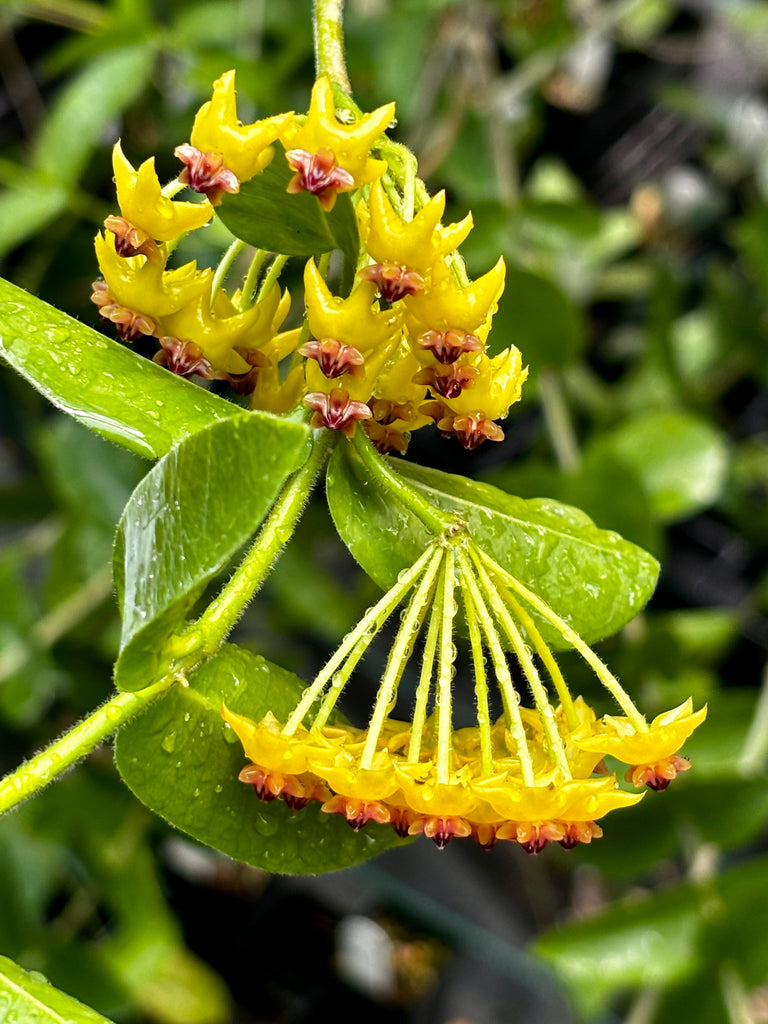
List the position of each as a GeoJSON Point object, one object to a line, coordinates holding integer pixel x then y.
{"type": "Point", "coordinates": [406, 348]}
{"type": "Point", "coordinates": [535, 775]}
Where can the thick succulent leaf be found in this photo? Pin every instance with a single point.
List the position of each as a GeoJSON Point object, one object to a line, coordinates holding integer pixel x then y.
{"type": "Point", "coordinates": [185, 521]}
{"type": "Point", "coordinates": [26, 997]}
{"type": "Point", "coordinates": [264, 214]}
{"type": "Point", "coordinates": [117, 393]}
{"type": "Point", "coordinates": [593, 578]}
{"type": "Point", "coordinates": [181, 760]}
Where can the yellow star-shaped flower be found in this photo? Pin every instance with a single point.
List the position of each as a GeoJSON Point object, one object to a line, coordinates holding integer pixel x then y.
{"type": "Point", "coordinates": [144, 285]}
{"type": "Point", "coordinates": [419, 243]}
{"type": "Point", "coordinates": [143, 204]}
{"type": "Point", "coordinates": [446, 305]}
{"type": "Point", "coordinates": [350, 144]}
{"type": "Point", "coordinates": [245, 149]}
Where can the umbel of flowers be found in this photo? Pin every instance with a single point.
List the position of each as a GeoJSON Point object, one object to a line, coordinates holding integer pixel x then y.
{"type": "Point", "coordinates": [534, 776]}
{"type": "Point", "coordinates": [405, 349]}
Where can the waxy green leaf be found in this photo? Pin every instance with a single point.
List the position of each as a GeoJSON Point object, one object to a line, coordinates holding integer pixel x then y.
{"type": "Point", "coordinates": [182, 761]}
{"type": "Point", "coordinates": [186, 519]}
{"type": "Point", "coordinates": [264, 214]}
{"type": "Point", "coordinates": [592, 578]}
{"type": "Point", "coordinates": [106, 386]}
{"type": "Point", "coordinates": [26, 997]}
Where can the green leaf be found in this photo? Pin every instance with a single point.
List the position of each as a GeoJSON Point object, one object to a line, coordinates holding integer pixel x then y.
{"type": "Point", "coordinates": [592, 578]}
{"type": "Point", "coordinates": [27, 207]}
{"type": "Point", "coordinates": [181, 760]}
{"type": "Point", "coordinates": [106, 386]}
{"type": "Point", "coordinates": [26, 997]}
{"type": "Point", "coordinates": [603, 486]}
{"type": "Point", "coordinates": [104, 88]}
{"type": "Point", "coordinates": [652, 943]}
{"type": "Point", "coordinates": [681, 459]}
{"type": "Point", "coordinates": [665, 939]}
{"type": "Point", "coordinates": [186, 519]}
{"type": "Point", "coordinates": [263, 214]}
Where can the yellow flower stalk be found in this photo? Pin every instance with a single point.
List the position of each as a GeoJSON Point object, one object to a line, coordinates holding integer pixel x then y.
{"type": "Point", "coordinates": [524, 778]}
{"type": "Point", "coordinates": [142, 203]}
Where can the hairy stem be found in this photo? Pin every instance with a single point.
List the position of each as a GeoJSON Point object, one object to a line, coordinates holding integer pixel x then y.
{"type": "Point", "coordinates": [329, 42]}
{"type": "Point", "coordinates": [440, 523]}
{"type": "Point", "coordinates": [81, 739]}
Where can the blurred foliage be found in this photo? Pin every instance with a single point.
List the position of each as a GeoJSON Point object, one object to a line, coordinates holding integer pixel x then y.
{"type": "Point", "coordinates": [617, 154]}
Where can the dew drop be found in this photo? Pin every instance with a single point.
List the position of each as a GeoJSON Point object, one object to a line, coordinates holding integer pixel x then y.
{"type": "Point", "coordinates": [169, 742]}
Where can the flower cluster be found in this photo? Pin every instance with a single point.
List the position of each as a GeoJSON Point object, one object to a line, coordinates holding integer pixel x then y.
{"type": "Point", "coordinates": [534, 776]}
{"type": "Point", "coordinates": [405, 349]}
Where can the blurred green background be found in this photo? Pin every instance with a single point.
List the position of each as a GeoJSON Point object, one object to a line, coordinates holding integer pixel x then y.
{"type": "Point", "coordinates": [616, 153]}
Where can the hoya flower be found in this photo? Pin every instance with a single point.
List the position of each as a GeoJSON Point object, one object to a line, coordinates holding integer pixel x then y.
{"type": "Point", "coordinates": [222, 330]}
{"type": "Point", "coordinates": [417, 244]}
{"type": "Point", "coordinates": [274, 393]}
{"type": "Point", "coordinates": [329, 155]}
{"type": "Point", "coordinates": [446, 305]}
{"type": "Point", "coordinates": [653, 753]}
{"type": "Point", "coordinates": [467, 408]}
{"type": "Point", "coordinates": [144, 285]}
{"type": "Point", "coordinates": [229, 152]}
{"type": "Point", "coordinates": [395, 402]}
{"type": "Point", "coordinates": [355, 321]}
{"type": "Point", "coordinates": [144, 206]}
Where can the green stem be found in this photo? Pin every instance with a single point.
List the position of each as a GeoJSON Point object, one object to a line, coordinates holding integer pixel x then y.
{"type": "Point", "coordinates": [440, 523]}
{"type": "Point", "coordinates": [546, 711]}
{"type": "Point", "coordinates": [329, 42]}
{"type": "Point", "coordinates": [224, 267]}
{"type": "Point", "coordinates": [445, 670]}
{"type": "Point", "coordinates": [755, 750]}
{"type": "Point", "coordinates": [59, 621]}
{"type": "Point", "coordinates": [557, 417]}
{"type": "Point", "coordinates": [548, 659]}
{"type": "Point", "coordinates": [44, 767]}
{"type": "Point", "coordinates": [735, 995]}
{"type": "Point", "coordinates": [425, 680]}
{"type": "Point", "coordinates": [248, 292]}
{"type": "Point", "coordinates": [509, 694]}
{"type": "Point", "coordinates": [271, 277]}
{"type": "Point", "coordinates": [481, 685]}
{"type": "Point", "coordinates": [204, 637]}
